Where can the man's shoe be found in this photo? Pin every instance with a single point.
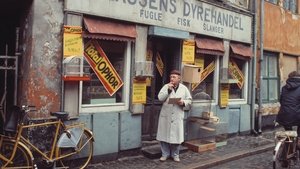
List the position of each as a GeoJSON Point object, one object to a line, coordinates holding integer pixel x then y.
{"type": "Point", "coordinates": [163, 158]}
{"type": "Point", "coordinates": [176, 159]}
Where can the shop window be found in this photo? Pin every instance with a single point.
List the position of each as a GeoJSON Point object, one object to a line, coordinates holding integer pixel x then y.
{"type": "Point", "coordinates": [94, 92]}
{"type": "Point", "coordinates": [205, 90]}
{"type": "Point", "coordinates": [238, 71]}
{"type": "Point", "coordinates": [270, 87]}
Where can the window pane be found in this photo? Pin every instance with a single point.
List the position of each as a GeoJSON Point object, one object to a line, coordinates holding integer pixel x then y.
{"type": "Point", "coordinates": [286, 4]}
{"type": "Point", "coordinates": [265, 67]}
{"type": "Point", "coordinates": [264, 90]}
{"type": "Point", "coordinates": [93, 91]}
{"type": "Point", "coordinates": [293, 6]}
{"type": "Point", "coordinates": [273, 90]}
{"type": "Point", "coordinates": [235, 92]}
{"type": "Point", "coordinates": [273, 1]}
{"type": "Point", "coordinates": [204, 90]}
{"type": "Point", "coordinates": [272, 66]}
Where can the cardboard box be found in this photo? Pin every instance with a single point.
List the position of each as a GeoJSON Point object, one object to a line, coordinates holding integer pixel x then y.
{"type": "Point", "coordinates": [207, 115]}
{"type": "Point", "coordinates": [191, 74]}
{"type": "Point", "coordinates": [200, 145]}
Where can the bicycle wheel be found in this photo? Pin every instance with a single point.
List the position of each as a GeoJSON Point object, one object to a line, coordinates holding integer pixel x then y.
{"type": "Point", "coordinates": [22, 159]}
{"type": "Point", "coordinates": [279, 156]}
{"type": "Point", "coordinates": [81, 159]}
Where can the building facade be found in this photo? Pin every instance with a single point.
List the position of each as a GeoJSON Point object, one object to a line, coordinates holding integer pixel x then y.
{"type": "Point", "coordinates": [277, 53]}
{"type": "Point", "coordinates": [140, 42]}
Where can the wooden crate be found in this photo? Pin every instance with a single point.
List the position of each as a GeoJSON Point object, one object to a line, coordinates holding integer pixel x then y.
{"type": "Point", "coordinates": [200, 145]}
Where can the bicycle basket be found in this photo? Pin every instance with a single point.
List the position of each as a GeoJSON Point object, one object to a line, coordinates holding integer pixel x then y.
{"type": "Point", "coordinates": [286, 134]}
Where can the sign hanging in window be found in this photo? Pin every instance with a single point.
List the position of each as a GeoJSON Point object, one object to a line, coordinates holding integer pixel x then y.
{"type": "Point", "coordinates": [102, 67]}
{"type": "Point", "coordinates": [159, 64]}
{"type": "Point", "coordinates": [236, 73]}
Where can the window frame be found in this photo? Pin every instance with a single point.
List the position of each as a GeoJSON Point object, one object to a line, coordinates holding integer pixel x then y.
{"type": "Point", "coordinates": [267, 55]}
{"type": "Point", "coordinates": [244, 98]}
{"type": "Point", "coordinates": [273, 1]}
{"type": "Point", "coordinates": [98, 108]}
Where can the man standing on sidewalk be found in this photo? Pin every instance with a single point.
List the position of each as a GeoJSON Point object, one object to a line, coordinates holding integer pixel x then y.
{"type": "Point", "coordinates": [170, 131]}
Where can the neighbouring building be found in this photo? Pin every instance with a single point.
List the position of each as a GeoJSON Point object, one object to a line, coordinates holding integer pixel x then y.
{"type": "Point", "coordinates": [278, 53]}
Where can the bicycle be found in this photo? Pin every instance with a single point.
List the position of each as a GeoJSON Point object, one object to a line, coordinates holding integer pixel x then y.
{"type": "Point", "coordinates": [71, 146]}
{"type": "Point", "coordinates": [286, 150]}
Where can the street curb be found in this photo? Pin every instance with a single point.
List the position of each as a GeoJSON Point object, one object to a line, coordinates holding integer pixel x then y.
{"type": "Point", "coordinates": [229, 157]}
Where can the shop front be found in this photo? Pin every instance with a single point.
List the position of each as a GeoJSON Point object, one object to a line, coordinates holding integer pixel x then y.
{"type": "Point", "coordinates": [128, 57]}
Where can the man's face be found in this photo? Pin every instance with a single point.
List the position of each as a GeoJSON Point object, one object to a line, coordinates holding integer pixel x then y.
{"type": "Point", "coordinates": [174, 79]}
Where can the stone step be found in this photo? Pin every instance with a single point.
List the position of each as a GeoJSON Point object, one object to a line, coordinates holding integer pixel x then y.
{"type": "Point", "coordinates": [154, 151]}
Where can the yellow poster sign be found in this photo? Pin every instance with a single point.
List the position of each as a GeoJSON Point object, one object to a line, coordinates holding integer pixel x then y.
{"type": "Point", "coordinates": [159, 64]}
{"type": "Point", "coordinates": [139, 92]}
{"type": "Point", "coordinates": [101, 65]}
{"type": "Point", "coordinates": [188, 51]}
{"type": "Point", "coordinates": [149, 55]}
{"type": "Point", "coordinates": [236, 73]}
{"type": "Point", "coordinates": [72, 41]}
{"type": "Point", "coordinates": [199, 61]}
{"type": "Point", "coordinates": [224, 95]}
{"type": "Point", "coordinates": [210, 68]}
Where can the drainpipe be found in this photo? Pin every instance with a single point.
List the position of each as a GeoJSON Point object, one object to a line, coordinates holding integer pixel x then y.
{"type": "Point", "coordinates": [260, 65]}
{"type": "Point", "coordinates": [253, 87]}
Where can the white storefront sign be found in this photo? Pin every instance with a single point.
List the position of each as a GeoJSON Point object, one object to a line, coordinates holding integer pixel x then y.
{"type": "Point", "coordinates": [187, 15]}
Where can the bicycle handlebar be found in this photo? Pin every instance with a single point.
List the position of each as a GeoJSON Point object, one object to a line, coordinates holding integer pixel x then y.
{"type": "Point", "coordinates": [28, 108]}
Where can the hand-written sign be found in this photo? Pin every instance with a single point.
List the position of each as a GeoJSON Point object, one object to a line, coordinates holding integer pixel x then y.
{"type": "Point", "coordinates": [101, 65]}
{"type": "Point", "coordinates": [188, 51]}
{"type": "Point", "coordinates": [73, 41]}
{"type": "Point", "coordinates": [139, 92]}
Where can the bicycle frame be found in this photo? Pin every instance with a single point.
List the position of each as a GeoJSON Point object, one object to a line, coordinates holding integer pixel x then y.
{"type": "Point", "coordinates": [54, 154]}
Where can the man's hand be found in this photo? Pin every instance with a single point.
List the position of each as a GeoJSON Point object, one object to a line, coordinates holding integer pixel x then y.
{"type": "Point", "coordinates": [170, 86]}
{"type": "Point", "coordinates": [180, 103]}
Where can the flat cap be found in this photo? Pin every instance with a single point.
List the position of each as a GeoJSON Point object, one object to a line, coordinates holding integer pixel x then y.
{"type": "Point", "coordinates": [176, 72]}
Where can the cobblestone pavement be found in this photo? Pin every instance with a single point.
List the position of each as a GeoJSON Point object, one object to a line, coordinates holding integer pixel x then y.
{"type": "Point", "coordinates": [234, 145]}
{"type": "Point", "coordinates": [258, 161]}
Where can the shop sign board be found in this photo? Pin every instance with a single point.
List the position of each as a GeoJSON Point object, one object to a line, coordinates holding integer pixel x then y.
{"type": "Point", "coordinates": [101, 65]}
{"type": "Point", "coordinates": [193, 15]}
{"type": "Point", "coordinates": [236, 73]}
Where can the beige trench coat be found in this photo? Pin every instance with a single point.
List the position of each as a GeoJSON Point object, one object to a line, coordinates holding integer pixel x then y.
{"type": "Point", "coordinates": [170, 123]}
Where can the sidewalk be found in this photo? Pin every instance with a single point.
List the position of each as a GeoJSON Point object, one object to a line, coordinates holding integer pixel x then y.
{"type": "Point", "coordinates": [236, 147]}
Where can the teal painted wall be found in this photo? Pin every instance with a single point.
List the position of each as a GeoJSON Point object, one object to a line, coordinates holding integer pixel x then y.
{"type": "Point", "coordinates": [114, 131]}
